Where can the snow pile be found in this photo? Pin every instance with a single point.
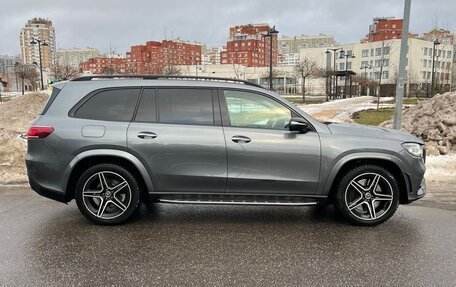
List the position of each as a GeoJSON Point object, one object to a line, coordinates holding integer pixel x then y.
{"type": "Point", "coordinates": [435, 122]}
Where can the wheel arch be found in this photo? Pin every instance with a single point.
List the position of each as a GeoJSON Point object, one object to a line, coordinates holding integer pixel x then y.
{"type": "Point", "coordinates": [389, 162]}
{"type": "Point", "coordinates": [88, 158]}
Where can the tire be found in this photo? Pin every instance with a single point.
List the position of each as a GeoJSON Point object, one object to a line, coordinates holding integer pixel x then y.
{"type": "Point", "coordinates": [107, 194]}
{"type": "Point", "coordinates": [367, 195]}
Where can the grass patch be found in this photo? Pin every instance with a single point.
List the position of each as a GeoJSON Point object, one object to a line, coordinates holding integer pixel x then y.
{"type": "Point", "coordinates": [406, 101]}
{"type": "Point", "coordinates": [299, 101]}
{"type": "Point", "coordinates": [373, 117]}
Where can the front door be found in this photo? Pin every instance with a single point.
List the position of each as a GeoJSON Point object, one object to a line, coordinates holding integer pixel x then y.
{"type": "Point", "coordinates": [177, 133]}
{"type": "Point", "coordinates": [263, 155]}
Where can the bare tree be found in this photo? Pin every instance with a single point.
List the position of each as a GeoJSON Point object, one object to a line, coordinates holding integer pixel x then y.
{"type": "Point", "coordinates": [64, 72]}
{"type": "Point", "coordinates": [26, 73]}
{"type": "Point", "coordinates": [171, 70]}
{"type": "Point", "coordinates": [275, 74]}
{"type": "Point", "coordinates": [305, 69]}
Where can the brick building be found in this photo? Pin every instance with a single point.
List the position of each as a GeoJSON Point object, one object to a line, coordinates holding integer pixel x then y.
{"type": "Point", "coordinates": [247, 46]}
{"type": "Point", "coordinates": [385, 28]}
{"type": "Point", "coordinates": [105, 65]}
{"type": "Point", "coordinates": [150, 58]}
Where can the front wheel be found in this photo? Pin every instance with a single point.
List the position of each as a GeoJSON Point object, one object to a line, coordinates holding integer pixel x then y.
{"type": "Point", "coordinates": [107, 194]}
{"type": "Point", "coordinates": [367, 195]}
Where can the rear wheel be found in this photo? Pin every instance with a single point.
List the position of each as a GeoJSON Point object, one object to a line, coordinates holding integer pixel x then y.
{"type": "Point", "coordinates": [107, 194]}
{"type": "Point", "coordinates": [367, 195]}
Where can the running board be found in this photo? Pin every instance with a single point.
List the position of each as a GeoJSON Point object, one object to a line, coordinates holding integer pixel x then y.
{"type": "Point", "coordinates": [234, 202]}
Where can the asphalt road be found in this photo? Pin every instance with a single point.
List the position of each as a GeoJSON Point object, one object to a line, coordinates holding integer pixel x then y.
{"type": "Point", "coordinates": [46, 243]}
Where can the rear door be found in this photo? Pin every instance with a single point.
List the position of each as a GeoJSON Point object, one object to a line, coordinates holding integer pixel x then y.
{"type": "Point", "coordinates": [177, 132]}
{"type": "Point", "coordinates": [263, 155]}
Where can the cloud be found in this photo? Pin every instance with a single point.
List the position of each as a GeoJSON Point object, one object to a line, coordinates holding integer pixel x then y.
{"type": "Point", "coordinates": [96, 24]}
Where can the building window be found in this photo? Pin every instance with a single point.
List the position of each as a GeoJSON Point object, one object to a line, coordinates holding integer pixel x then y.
{"type": "Point", "coordinates": [448, 54]}
{"type": "Point", "coordinates": [378, 51]}
{"type": "Point", "coordinates": [365, 53]}
{"type": "Point", "coordinates": [341, 66]}
{"type": "Point", "coordinates": [349, 66]}
{"type": "Point", "coordinates": [386, 50]}
{"type": "Point", "coordinates": [425, 51]}
{"type": "Point", "coordinates": [377, 63]}
{"type": "Point", "coordinates": [372, 52]}
{"type": "Point", "coordinates": [385, 75]}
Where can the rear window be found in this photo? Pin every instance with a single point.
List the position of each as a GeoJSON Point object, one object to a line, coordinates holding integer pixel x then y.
{"type": "Point", "coordinates": [51, 99]}
{"type": "Point", "coordinates": [185, 106]}
{"type": "Point", "coordinates": [110, 105]}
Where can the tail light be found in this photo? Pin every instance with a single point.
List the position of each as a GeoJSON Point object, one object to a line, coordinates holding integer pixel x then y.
{"type": "Point", "coordinates": [36, 132]}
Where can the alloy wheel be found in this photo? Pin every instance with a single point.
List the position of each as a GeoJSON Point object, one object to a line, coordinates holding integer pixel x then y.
{"type": "Point", "coordinates": [106, 195]}
{"type": "Point", "coordinates": [369, 196]}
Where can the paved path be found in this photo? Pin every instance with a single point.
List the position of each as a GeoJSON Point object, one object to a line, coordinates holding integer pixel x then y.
{"type": "Point", "coordinates": [45, 243]}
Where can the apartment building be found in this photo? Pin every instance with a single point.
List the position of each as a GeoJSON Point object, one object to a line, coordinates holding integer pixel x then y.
{"type": "Point", "coordinates": [150, 58]}
{"type": "Point", "coordinates": [74, 57]}
{"type": "Point", "coordinates": [39, 29]}
{"type": "Point", "coordinates": [247, 45]}
{"type": "Point", "coordinates": [384, 28]}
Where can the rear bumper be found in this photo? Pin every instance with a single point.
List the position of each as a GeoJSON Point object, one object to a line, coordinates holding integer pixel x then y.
{"type": "Point", "coordinates": [46, 170]}
{"type": "Point", "coordinates": [47, 192]}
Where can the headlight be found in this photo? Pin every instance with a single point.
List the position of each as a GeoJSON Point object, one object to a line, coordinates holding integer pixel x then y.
{"type": "Point", "coordinates": [414, 149]}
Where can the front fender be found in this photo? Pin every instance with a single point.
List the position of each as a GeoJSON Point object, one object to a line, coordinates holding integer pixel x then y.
{"type": "Point", "coordinates": [326, 185]}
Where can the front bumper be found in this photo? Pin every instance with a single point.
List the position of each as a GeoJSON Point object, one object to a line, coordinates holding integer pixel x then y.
{"type": "Point", "coordinates": [418, 193]}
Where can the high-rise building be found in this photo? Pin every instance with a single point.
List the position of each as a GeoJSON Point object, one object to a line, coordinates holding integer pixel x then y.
{"type": "Point", "coordinates": [248, 46]}
{"type": "Point", "coordinates": [39, 29]}
{"type": "Point", "coordinates": [291, 45]}
{"type": "Point", "coordinates": [384, 28]}
{"type": "Point", "coordinates": [74, 57]}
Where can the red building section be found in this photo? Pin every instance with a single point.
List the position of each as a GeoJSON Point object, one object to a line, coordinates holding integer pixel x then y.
{"type": "Point", "coordinates": [247, 45]}
{"type": "Point", "coordinates": [384, 29]}
{"type": "Point", "coordinates": [150, 58]}
{"type": "Point", "coordinates": [104, 65]}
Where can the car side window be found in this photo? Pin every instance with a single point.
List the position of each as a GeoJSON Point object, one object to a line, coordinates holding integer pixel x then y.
{"type": "Point", "coordinates": [110, 105]}
{"type": "Point", "coordinates": [185, 106]}
{"type": "Point", "coordinates": [146, 110]}
{"type": "Point", "coordinates": [252, 110]}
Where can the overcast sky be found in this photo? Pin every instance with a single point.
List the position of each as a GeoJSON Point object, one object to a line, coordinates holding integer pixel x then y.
{"type": "Point", "coordinates": [90, 23]}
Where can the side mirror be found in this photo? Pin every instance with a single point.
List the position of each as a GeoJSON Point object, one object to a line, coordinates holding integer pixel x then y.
{"type": "Point", "coordinates": [298, 125]}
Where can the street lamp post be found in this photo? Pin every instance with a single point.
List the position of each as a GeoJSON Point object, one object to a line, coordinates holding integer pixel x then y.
{"type": "Point", "coordinates": [271, 34]}
{"type": "Point", "coordinates": [334, 50]}
{"type": "Point", "coordinates": [346, 55]}
{"type": "Point", "coordinates": [40, 43]}
{"type": "Point", "coordinates": [434, 44]}
{"type": "Point", "coordinates": [365, 67]}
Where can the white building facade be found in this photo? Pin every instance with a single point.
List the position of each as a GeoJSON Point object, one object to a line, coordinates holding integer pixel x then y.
{"type": "Point", "coordinates": [74, 57]}
{"type": "Point", "coordinates": [381, 59]}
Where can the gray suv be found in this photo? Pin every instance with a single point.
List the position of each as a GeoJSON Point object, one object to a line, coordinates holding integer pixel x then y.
{"type": "Point", "coordinates": [110, 142]}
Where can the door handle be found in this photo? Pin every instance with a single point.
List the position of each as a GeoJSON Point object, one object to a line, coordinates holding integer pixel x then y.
{"type": "Point", "coordinates": [147, 135]}
{"type": "Point", "coordinates": [241, 139]}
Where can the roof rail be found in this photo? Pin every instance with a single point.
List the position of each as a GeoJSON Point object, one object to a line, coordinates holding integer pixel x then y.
{"type": "Point", "coordinates": [160, 77]}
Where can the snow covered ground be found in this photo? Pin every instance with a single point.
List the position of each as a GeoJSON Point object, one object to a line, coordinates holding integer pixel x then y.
{"type": "Point", "coordinates": [341, 110]}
